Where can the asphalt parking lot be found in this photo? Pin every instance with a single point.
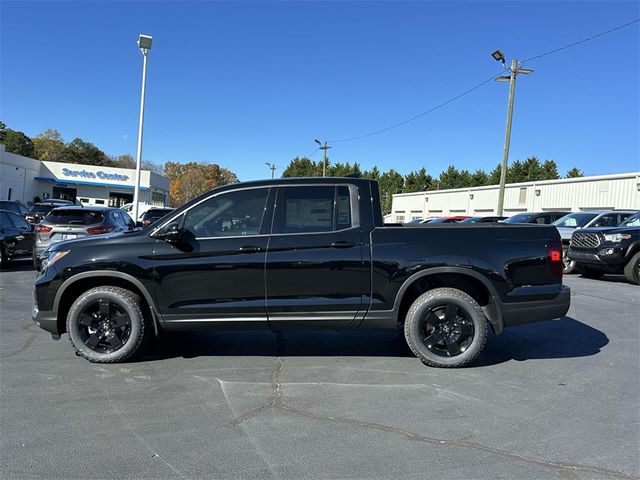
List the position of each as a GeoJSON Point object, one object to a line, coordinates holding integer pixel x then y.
{"type": "Point", "coordinates": [557, 399]}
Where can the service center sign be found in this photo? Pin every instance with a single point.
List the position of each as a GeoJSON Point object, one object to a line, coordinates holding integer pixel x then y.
{"type": "Point", "coordinates": [98, 174]}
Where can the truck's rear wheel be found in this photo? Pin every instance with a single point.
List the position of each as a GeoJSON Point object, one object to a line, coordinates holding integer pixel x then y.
{"type": "Point", "coordinates": [632, 269]}
{"type": "Point", "coordinates": [445, 327]}
{"type": "Point", "coordinates": [106, 324]}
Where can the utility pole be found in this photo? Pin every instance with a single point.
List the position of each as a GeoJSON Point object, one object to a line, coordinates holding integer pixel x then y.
{"type": "Point", "coordinates": [514, 70]}
{"type": "Point", "coordinates": [272, 166]}
{"type": "Point", "coordinates": [324, 147]}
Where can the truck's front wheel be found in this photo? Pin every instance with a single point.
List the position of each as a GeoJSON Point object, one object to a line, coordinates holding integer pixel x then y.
{"type": "Point", "coordinates": [445, 327]}
{"type": "Point", "coordinates": [106, 324]}
{"type": "Point", "coordinates": [632, 269]}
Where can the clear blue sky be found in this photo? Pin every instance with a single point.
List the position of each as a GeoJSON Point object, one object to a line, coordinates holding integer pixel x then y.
{"type": "Point", "coordinates": [241, 84]}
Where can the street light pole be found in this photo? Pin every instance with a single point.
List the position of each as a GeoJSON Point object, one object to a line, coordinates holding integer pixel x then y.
{"type": "Point", "coordinates": [272, 166]}
{"type": "Point", "coordinates": [144, 44]}
{"type": "Point", "coordinates": [514, 70]}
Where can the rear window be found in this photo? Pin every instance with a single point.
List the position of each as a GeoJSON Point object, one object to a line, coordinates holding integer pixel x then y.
{"type": "Point", "coordinates": [11, 206]}
{"type": "Point", "coordinates": [156, 214]}
{"type": "Point", "coordinates": [41, 208]}
{"type": "Point", "coordinates": [519, 218]}
{"type": "Point", "coordinates": [74, 217]}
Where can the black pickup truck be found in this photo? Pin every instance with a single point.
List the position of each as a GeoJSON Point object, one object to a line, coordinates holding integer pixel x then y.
{"type": "Point", "coordinates": [597, 251]}
{"type": "Point", "coordinates": [301, 253]}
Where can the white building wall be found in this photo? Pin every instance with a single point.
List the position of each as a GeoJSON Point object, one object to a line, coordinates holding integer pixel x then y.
{"type": "Point", "coordinates": [24, 178]}
{"type": "Point", "coordinates": [572, 194]}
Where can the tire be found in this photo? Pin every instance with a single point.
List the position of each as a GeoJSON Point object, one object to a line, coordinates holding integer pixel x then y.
{"type": "Point", "coordinates": [632, 269]}
{"type": "Point", "coordinates": [106, 324]}
{"type": "Point", "coordinates": [569, 265]}
{"type": "Point", "coordinates": [3, 256]}
{"type": "Point", "coordinates": [453, 321]}
{"type": "Point", "coordinates": [589, 272]}
{"type": "Point", "coordinates": [37, 263]}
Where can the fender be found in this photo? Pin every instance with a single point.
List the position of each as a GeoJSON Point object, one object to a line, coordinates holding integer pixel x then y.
{"type": "Point", "coordinates": [631, 250]}
{"type": "Point", "coordinates": [492, 310]}
{"type": "Point", "coordinates": [110, 273]}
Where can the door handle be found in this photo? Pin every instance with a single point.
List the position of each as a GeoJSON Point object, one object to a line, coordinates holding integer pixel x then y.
{"type": "Point", "coordinates": [342, 244]}
{"type": "Point", "coordinates": [249, 249]}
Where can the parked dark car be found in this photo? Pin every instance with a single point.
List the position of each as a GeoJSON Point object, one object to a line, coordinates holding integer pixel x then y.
{"type": "Point", "coordinates": [152, 215]}
{"type": "Point", "coordinates": [300, 253]}
{"type": "Point", "coordinates": [483, 220]}
{"type": "Point", "coordinates": [16, 237]}
{"type": "Point", "coordinates": [452, 219]}
{"type": "Point", "coordinates": [67, 223]}
{"type": "Point", "coordinates": [41, 209]}
{"type": "Point", "coordinates": [544, 218]}
{"type": "Point", "coordinates": [14, 206]}
{"type": "Point", "coordinates": [597, 251]}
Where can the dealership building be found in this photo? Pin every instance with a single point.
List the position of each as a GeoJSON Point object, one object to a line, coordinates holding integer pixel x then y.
{"type": "Point", "coordinates": [26, 179]}
{"type": "Point", "coordinates": [565, 194]}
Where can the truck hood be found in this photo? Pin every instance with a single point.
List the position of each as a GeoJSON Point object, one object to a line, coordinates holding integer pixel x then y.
{"type": "Point", "coordinates": [632, 230]}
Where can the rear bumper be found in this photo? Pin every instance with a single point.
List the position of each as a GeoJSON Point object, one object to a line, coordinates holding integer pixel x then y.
{"type": "Point", "coordinates": [520, 313]}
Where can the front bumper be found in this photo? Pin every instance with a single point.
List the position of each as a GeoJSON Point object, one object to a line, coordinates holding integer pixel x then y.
{"type": "Point", "coordinates": [46, 320]}
{"type": "Point", "coordinates": [522, 312]}
{"type": "Point", "coordinates": [609, 258]}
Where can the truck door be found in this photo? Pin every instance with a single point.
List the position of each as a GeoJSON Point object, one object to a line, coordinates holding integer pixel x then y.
{"type": "Point", "coordinates": [314, 264]}
{"type": "Point", "coordinates": [215, 274]}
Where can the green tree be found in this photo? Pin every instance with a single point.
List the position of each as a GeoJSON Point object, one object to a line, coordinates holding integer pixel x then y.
{"type": "Point", "coordinates": [479, 178]}
{"type": "Point", "coordinates": [49, 146]}
{"type": "Point", "coordinates": [343, 169]}
{"type": "Point", "coordinates": [454, 178]}
{"type": "Point", "coordinates": [550, 170]}
{"type": "Point", "coordinates": [302, 167]}
{"type": "Point", "coordinates": [418, 181]}
{"type": "Point", "coordinates": [373, 174]}
{"type": "Point", "coordinates": [16, 142]}
{"type": "Point", "coordinates": [574, 173]}
{"type": "Point", "coordinates": [79, 151]}
{"type": "Point", "coordinates": [390, 183]}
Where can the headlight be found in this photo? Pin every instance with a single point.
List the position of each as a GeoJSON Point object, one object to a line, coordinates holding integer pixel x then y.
{"type": "Point", "coordinates": [52, 258]}
{"type": "Point", "coordinates": [616, 237]}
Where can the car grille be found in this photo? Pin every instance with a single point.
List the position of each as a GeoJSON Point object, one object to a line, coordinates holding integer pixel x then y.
{"type": "Point", "coordinates": [585, 240]}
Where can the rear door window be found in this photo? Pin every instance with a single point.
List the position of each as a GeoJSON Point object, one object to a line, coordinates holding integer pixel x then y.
{"type": "Point", "coordinates": [19, 222]}
{"type": "Point", "coordinates": [4, 221]}
{"type": "Point", "coordinates": [313, 209]}
{"type": "Point", "coordinates": [74, 217]}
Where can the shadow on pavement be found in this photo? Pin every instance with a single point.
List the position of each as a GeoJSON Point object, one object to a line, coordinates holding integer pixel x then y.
{"type": "Point", "coordinates": [562, 338]}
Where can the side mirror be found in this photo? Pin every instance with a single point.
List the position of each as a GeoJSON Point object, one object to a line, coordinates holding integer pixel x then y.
{"type": "Point", "coordinates": [171, 233]}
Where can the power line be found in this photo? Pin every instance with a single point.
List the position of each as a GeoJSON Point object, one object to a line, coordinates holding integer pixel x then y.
{"type": "Point", "coordinates": [470, 90]}
{"type": "Point", "coordinates": [581, 41]}
{"type": "Point", "coordinates": [415, 117]}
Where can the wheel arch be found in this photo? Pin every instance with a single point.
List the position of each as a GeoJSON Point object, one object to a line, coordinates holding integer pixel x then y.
{"type": "Point", "coordinates": [81, 282]}
{"type": "Point", "coordinates": [465, 279]}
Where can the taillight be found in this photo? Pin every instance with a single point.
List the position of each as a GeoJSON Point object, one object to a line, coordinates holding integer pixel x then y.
{"type": "Point", "coordinates": [555, 258]}
{"type": "Point", "coordinates": [43, 229]}
{"type": "Point", "coordinates": [99, 230]}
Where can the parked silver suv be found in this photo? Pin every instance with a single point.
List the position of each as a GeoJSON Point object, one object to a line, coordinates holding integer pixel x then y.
{"type": "Point", "coordinates": [586, 219]}
{"type": "Point", "coordinates": [69, 223]}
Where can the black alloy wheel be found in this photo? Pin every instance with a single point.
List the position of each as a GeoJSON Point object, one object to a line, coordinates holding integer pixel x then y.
{"type": "Point", "coordinates": [104, 326]}
{"type": "Point", "coordinates": [107, 324]}
{"type": "Point", "coordinates": [447, 331]}
{"type": "Point", "coordinates": [445, 327]}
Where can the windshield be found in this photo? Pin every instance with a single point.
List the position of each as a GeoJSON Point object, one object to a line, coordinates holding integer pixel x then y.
{"type": "Point", "coordinates": [470, 220]}
{"type": "Point", "coordinates": [519, 218]}
{"type": "Point", "coordinates": [11, 206]}
{"type": "Point", "coordinates": [575, 220]}
{"type": "Point", "coordinates": [633, 221]}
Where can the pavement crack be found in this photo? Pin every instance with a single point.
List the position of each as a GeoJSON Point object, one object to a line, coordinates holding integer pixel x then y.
{"type": "Point", "coordinates": [564, 468]}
